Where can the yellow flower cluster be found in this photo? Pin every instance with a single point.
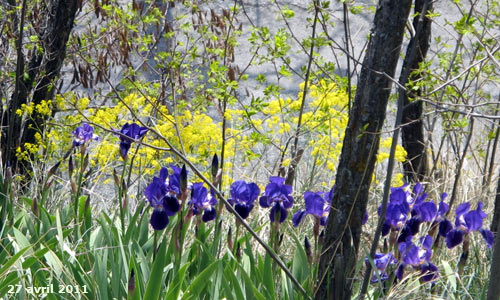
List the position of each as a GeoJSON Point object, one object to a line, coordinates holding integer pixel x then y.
{"type": "Point", "coordinates": [385, 145]}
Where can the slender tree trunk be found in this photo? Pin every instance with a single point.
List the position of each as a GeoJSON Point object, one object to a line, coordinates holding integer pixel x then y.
{"type": "Point", "coordinates": [44, 69]}
{"type": "Point", "coordinates": [361, 142]}
{"type": "Point", "coordinates": [412, 131]}
{"type": "Point", "coordinates": [496, 215]}
{"type": "Point", "coordinates": [494, 286]}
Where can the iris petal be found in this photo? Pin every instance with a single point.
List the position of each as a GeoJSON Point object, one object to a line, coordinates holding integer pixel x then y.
{"type": "Point", "coordinates": [159, 219]}
{"type": "Point", "coordinates": [474, 220]}
{"type": "Point", "coordinates": [454, 238]}
{"type": "Point", "coordinates": [243, 209]}
{"type": "Point", "coordinates": [488, 236]}
{"type": "Point", "coordinates": [298, 217]}
{"type": "Point", "coordinates": [444, 227]}
{"type": "Point", "coordinates": [171, 205]}
{"type": "Point", "coordinates": [209, 214]}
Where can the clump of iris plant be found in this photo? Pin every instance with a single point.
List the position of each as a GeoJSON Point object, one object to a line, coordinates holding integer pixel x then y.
{"type": "Point", "coordinates": [162, 193]}
{"type": "Point", "coordinates": [202, 201]}
{"type": "Point", "coordinates": [83, 134]}
{"type": "Point", "coordinates": [277, 195]}
{"type": "Point", "coordinates": [317, 205]}
{"type": "Point", "coordinates": [419, 257]}
{"type": "Point", "coordinates": [129, 133]}
{"type": "Point", "coordinates": [243, 196]}
{"type": "Point", "coordinates": [381, 261]}
{"type": "Point", "coordinates": [406, 212]}
{"type": "Point", "coordinates": [466, 222]}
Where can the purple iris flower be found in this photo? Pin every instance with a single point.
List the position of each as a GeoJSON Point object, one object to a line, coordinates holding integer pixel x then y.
{"type": "Point", "coordinates": [162, 194]}
{"type": "Point", "coordinates": [418, 257]}
{"type": "Point", "coordinates": [243, 196]}
{"type": "Point", "coordinates": [83, 134]}
{"type": "Point", "coordinates": [277, 195]}
{"type": "Point", "coordinates": [202, 201]}
{"type": "Point", "coordinates": [381, 261]}
{"type": "Point", "coordinates": [317, 204]}
{"type": "Point", "coordinates": [129, 133]}
{"type": "Point", "coordinates": [468, 221]}
{"type": "Point", "coordinates": [444, 224]}
{"type": "Point", "coordinates": [429, 272]}
{"type": "Point", "coordinates": [397, 209]}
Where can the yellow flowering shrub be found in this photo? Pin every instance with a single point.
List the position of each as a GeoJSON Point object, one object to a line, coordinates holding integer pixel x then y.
{"type": "Point", "coordinates": [198, 136]}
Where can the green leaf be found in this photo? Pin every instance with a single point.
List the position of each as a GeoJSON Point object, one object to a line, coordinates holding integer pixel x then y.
{"type": "Point", "coordinates": [155, 280]}
{"type": "Point", "coordinates": [269, 276]}
{"type": "Point", "coordinates": [12, 261]}
{"type": "Point", "coordinates": [450, 275]}
{"type": "Point", "coordinates": [175, 286]}
{"type": "Point", "coordinates": [196, 287]}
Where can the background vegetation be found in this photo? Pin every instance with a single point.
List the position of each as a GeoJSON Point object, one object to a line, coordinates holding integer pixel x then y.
{"type": "Point", "coordinates": [214, 88]}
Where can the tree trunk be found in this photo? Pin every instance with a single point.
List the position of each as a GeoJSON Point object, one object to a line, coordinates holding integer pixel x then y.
{"type": "Point", "coordinates": [494, 287]}
{"type": "Point", "coordinates": [496, 214]}
{"type": "Point", "coordinates": [412, 129]}
{"type": "Point", "coordinates": [44, 69]}
{"type": "Point", "coordinates": [360, 146]}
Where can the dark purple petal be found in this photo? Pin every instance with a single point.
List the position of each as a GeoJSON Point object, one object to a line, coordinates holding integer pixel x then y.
{"type": "Point", "coordinates": [398, 195]}
{"type": "Point", "coordinates": [124, 147]}
{"type": "Point", "coordinates": [444, 227]}
{"type": "Point", "coordinates": [253, 191]}
{"type": "Point", "coordinates": [329, 195]}
{"type": "Point", "coordinates": [298, 217]}
{"type": "Point", "coordinates": [418, 188]}
{"type": "Point", "coordinates": [443, 208]}
{"type": "Point", "coordinates": [427, 242]}
{"type": "Point", "coordinates": [209, 214]}
{"type": "Point", "coordinates": [414, 225]}
{"type": "Point", "coordinates": [411, 255]}
{"type": "Point", "coordinates": [277, 180]}
{"type": "Point", "coordinates": [278, 209]}
{"type": "Point", "coordinates": [171, 205]}
{"type": "Point", "coordinates": [198, 193]}
{"type": "Point", "coordinates": [488, 236]}
{"type": "Point", "coordinates": [243, 209]}
{"type": "Point", "coordinates": [365, 218]}
{"type": "Point", "coordinates": [159, 219]}
{"type": "Point", "coordinates": [473, 220]}
{"type": "Point", "coordinates": [238, 189]}
{"type": "Point", "coordinates": [420, 198]}
{"type": "Point", "coordinates": [314, 204]}
{"type": "Point", "coordinates": [427, 210]}
{"type": "Point", "coordinates": [394, 214]}
{"type": "Point", "coordinates": [212, 199]}
{"type": "Point", "coordinates": [429, 272]}
{"type": "Point", "coordinates": [323, 220]}
{"type": "Point", "coordinates": [174, 181]}
{"type": "Point", "coordinates": [462, 209]}
{"type": "Point", "coordinates": [400, 271]}
{"type": "Point", "coordinates": [480, 210]}
{"type": "Point", "coordinates": [163, 173]}
{"type": "Point", "coordinates": [454, 238]}
{"type": "Point", "coordinates": [264, 201]}
{"type": "Point", "coordinates": [83, 134]}
{"type": "Point", "coordinates": [386, 227]}
{"type": "Point", "coordinates": [288, 202]}
{"type": "Point", "coordinates": [405, 234]}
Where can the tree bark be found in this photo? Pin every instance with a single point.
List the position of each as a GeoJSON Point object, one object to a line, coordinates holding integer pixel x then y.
{"type": "Point", "coordinates": [44, 69]}
{"type": "Point", "coordinates": [357, 160]}
{"type": "Point", "coordinates": [412, 130]}
{"type": "Point", "coordinates": [494, 287]}
{"type": "Point", "coordinates": [496, 214]}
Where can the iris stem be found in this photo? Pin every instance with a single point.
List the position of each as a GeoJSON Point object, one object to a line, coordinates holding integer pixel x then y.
{"type": "Point", "coordinates": [78, 191]}
{"type": "Point", "coordinates": [121, 193]}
